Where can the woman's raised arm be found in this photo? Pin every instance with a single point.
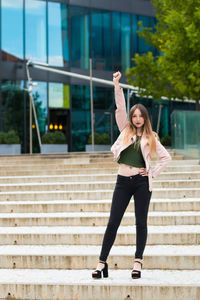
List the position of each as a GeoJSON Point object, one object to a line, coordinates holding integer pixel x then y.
{"type": "Point", "coordinates": [120, 112]}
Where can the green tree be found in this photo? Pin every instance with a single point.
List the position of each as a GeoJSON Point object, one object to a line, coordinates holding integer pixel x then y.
{"type": "Point", "coordinates": [176, 71]}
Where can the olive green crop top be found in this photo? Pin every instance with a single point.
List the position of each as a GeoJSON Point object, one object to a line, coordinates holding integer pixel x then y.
{"type": "Point", "coordinates": [132, 156]}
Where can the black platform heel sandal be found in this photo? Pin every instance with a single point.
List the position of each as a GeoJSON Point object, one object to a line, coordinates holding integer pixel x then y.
{"type": "Point", "coordinates": [138, 273]}
{"type": "Point", "coordinates": [104, 270]}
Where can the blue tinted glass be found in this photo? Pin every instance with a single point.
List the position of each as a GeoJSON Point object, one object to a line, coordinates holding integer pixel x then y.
{"type": "Point", "coordinates": [80, 28]}
{"type": "Point", "coordinates": [135, 35]}
{"type": "Point", "coordinates": [35, 30]}
{"type": "Point", "coordinates": [81, 127]}
{"type": "Point", "coordinates": [101, 40]}
{"type": "Point", "coordinates": [121, 40]}
{"type": "Point", "coordinates": [142, 45]}
{"type": "Point", "coordinates": [40, 100]}
{"type": "Point", "coordinates": [12, 113]}
{"type": "Point", "coordinates": [116, 25]}
{"type": "Point", "coordinates": [103, 98]}
{"type": "Point", "coordinates": [58, 34]}
{"type": "Point", "coordinates": [12, 29]}
{"type": "Point", "coordinates": [125, 41]}
{"type": "Point", "coordinates": [154, 49]}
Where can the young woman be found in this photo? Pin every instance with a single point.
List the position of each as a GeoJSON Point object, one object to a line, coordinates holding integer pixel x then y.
{"type": "Point", "coordinates": [133, 150]}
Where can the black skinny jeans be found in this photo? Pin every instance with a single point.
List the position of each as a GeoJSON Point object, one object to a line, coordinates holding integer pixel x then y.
{"type": "Point", "coordinates": [126, 187]}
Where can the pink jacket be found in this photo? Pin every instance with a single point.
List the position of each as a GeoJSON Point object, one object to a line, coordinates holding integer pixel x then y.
{"type": "Point", "coordinates": [118, 147]}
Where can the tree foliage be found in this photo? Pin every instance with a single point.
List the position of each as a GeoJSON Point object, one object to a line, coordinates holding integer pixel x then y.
{"type": "Point", "coordinates": [176, 71]}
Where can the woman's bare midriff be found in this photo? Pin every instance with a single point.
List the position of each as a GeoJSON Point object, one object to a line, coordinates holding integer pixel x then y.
{"type": "Point", "coordinates": [126, 170]}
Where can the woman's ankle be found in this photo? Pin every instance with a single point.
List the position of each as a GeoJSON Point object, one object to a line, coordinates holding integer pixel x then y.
{"type": "Point", "coordinates": [102, 261]}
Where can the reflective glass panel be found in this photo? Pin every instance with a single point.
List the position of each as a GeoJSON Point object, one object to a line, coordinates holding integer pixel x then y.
{"type": "Point", "coordinates": [80, 44]}
{"type": "Point", "coordinates": [57, 34]}
{"type": "Point", "coordinates": [135, 35]}
{"type": "Point", "coordinates": [35, 31]}
{"type": "Point", "coordinates": [142, 45]}
{"type": "Point", "coordinates": [12, 108]}
{"type": "Point", "coordinates": [59, 96]}
{"type": "Point", "coordinates": [121, 23]}
{"type": "Point", "coordinates": [80, 116]}
{"type": "Point", "coordinates": [101, 40]}
{"type": "Point", "coordinates": [40, 100]}
{"type": "Point", "coordinates": [12, 29]}
{"type": "Point", "coordinates": [125, 41]}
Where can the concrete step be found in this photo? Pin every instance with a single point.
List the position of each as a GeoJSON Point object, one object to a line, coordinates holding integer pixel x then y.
{"type": "Point", "coordinates": [67, 161]}
{"type": "Point", "coordinates": [163, 257]}
{"type": "Point", "coordinates": [87, 170]}
{"type": "Point", "coordinates": [50, 206]}
{"type": "Point", "coordinates": [170, 193]}
{"type": "Point", "coordinates": [67, 155]}
{"type": "Point", "coordinates": [95, 219]}
{"type": "Point", "coordinates": [93, 235]}
{"type": "Point", "coordinates": [76, 172]}
{"type": "Point", "coordinates": [85, 164]}
{"type": "Point", "coordinates": [92, 177]}
{"type": "Point", "coordinates": [79, 285]}
{"type": "Point", "coordinates": [89, 186]}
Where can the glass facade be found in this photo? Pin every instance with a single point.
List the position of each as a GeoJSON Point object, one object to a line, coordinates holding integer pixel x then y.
{"type": "Point", "coordinates": [121, 24]}
{"type": "Point", "coordinates": [66, 36]}
{"type": "Point", "coordinates": [101, 40]}
{"type": "Point", "coordinates": [59, 95]}
{"type": "Point", "coordinates": [80, 37]}
{"type": "Point", "coordinates": [12, 30]}
{"type": "Point", "coordinates": [35, 30]}
{"type": "Point", "coordinates": [13, 108]}
{"type": "Point", "coordinates": [183, 123]}
{"type": "Point", "coordinates": [58, 50]}
{"type": "Point", "coordinates": [40, 30]}
{"type": "Point", "coordinates": [40, 99]}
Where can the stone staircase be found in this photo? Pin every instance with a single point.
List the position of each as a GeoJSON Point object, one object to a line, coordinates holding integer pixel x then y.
{"type": "Point", "coordinates": [53, 214]}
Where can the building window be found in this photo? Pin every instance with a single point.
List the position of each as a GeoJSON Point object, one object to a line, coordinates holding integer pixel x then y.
{"type": "Point", "coordinates": [142, 45]}
{"type": "Point", "coordinates": [58, 49]}
{"type": "Point", "coordinates": [135, 34]}
{"type": "Point", "coordinates": [40, 100]}
{"type": "Point", "coordinates": [121, 24]}
{"type": "Point", "coordinates": [12, 30]}
{"type": "Point", "coordinates": [81, 127]}
{"type": "Point", "coordinates": [59, 96]}
{"type": "Point", "coordinates": [80, 42]}
{"type": "Point", "coordinates": [12, 113]}
{"type": "Point", "coordinates": [101, 40]}
{"type": "Point", "coordinates": [35, 31]}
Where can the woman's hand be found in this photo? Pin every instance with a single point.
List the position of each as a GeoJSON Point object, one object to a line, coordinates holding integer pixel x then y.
{"type": "Point", "coordinates": [142, 171]}
{"type": "Point", "coordinates": [116, 78]}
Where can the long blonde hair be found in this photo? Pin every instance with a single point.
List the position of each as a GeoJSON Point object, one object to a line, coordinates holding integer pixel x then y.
{"type": "Point", "coordinates": [147, 132]}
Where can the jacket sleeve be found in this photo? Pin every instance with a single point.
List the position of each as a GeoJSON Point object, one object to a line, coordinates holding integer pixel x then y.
{"type": "Point", "coordinates": [120, 112]}
{"type": "Point", "coordinates": [164, 156]}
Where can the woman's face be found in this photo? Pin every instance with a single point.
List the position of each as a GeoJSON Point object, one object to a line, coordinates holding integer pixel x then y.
{"type": "Point", "coordinates": [137, 119]}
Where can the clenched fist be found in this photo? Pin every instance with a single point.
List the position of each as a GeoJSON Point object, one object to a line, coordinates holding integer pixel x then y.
{"type": "Point", "coordinates": [116, 78]}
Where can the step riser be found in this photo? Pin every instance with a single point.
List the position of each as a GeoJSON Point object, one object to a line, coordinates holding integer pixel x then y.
{"type": "Point", "coordinates": [89, 262]}
{"type": "Point", "coordinates": [97, 170]}
{"type": "Point", "coordinates": [79, 160]}
{"type": "Point", "coordinates": [97, 221]}
{"type": "Point", "coordinates": [92, 186]}
{"type": "Point", "coordinates": [97, 207]}
{"type": "Point", "coordinates": [86, 164]}
{"type": "Point", "coordinates": [88, 178]}
{"type": "Point", "coordinates": [96, 292]}
{"type": "Point", "coordinates": [93, 195]}
{"type": "Point", "coordinates": [96, 239]}
{"type": "Point", "coordinates": [60, 172]}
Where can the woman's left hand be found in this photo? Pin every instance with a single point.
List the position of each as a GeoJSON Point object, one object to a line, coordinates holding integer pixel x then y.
{"type": "Point", "coordinates": [142, 171]}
